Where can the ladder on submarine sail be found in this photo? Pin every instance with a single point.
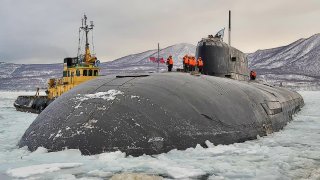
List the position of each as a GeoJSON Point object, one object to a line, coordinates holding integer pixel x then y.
{"type": "Point", "coordinates": [76, 70]}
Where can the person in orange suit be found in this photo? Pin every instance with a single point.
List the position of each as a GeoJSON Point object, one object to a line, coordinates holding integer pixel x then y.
{"type": "Point", "coordinates": [253, 75]}
{"type": "Point", "coordinates": [186, 63]}
{"type": "Point", "coordinates": [192, 63]}
{"type": "Point", "coordinates": [200, 64]}
{"type": "Point", "coordinates": [170, 63]}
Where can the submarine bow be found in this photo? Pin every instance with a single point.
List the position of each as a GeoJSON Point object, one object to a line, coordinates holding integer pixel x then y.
{"type": "Point", "coordinates": [155, 113]}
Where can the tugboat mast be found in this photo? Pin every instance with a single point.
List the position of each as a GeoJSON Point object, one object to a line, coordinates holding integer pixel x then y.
{"type": "Point", "coordinates": [86, 28]}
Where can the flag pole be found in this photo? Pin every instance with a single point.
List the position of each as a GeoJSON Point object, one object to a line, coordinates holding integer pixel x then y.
{"type": "Point", "coordinates": [158, 57]}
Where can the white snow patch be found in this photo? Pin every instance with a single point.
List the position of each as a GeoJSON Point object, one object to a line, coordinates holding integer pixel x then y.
{"type": "Point", "coordinates": [111, 156]}
{"type": "Point", "coordinates": [23, 172]}
{"type": "Point", "coordinates": [109, 95]}
{"type": "Point", "coordinates": [90, 123]}
{"type": "Point", "coordinates": [102, 108]}
{"type": "Point", "coordinates": [209, 144]}
{"type": "Point", "coordinates": [133, 96]}
{"type": "Point", "coordinates": [59, 134]}
{"type": "Point", "coordinates": [155, 139]}
{"type": "Point", "coordinates": [100, 173]}
{"type": "Point", "coordinates": [51, 135]}
{"type": "Point", "coordinates": [80, 132]}
{"type": "Point", "coordinates": [77, 106]}
{"type": "Point", "coordinates": [182, 172]}
{"type": "Point", "coordinates": [40, 150]}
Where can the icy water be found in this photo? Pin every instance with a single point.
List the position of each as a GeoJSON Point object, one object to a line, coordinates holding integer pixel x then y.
{"type": "Point", "coordinates": [293, 153]}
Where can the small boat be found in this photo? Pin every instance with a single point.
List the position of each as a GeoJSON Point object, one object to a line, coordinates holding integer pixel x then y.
{"type": "Point", "coordinates": [76, 70]}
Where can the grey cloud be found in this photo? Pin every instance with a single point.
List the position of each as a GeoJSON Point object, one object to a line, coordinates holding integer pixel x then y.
{"type": "Point", "coordinates": [39, 31]}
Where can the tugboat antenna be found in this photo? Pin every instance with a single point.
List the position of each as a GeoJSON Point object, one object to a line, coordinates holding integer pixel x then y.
{"type": "Point", "coordinates": [79, 44]}
{"type": "Point", "coordinates": [86, 28]}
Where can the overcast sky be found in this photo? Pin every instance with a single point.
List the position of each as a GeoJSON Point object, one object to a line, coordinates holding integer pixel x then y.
{"type": "Point", "coordinates": [43, 31]}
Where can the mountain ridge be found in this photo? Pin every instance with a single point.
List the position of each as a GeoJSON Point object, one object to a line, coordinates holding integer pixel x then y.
{"type": "Point", "coordinates": [295, 65]}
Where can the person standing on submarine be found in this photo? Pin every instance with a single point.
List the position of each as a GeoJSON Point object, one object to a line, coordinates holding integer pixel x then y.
{"type": "Point", "coordinates": [200, 64]}
{"type": "Point", "coordinates": [253, 75]}
{"type": "Point", "coordinates": [186, 63]}
{"type": "Point", "coordinates": [170, 63]}
{"type": "Point", "coordinates": [192, 63]}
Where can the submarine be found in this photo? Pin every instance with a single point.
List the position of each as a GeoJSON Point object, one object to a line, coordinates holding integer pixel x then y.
{"type": "Point", "coordinates": [153, 113]}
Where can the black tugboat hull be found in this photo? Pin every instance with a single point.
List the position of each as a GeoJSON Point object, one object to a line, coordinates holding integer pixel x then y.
{"type": "Point", "coordinates": [31, 104]}
{"type": "Point", "coordinates": [160, 112]}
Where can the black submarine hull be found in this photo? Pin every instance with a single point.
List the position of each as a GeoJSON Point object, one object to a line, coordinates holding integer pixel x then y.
{"type": "Point", "coordinates": [155, 113]}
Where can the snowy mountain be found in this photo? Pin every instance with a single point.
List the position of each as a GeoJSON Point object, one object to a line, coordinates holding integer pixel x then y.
{"type": "Point", "coordinates": [30, 76]}
{"type": "Point", "coordinates": [27, 76]}
{"type": "Point", "coordinates": [141, 63]}
{"type": "Point", "coordinates": [297, 64]}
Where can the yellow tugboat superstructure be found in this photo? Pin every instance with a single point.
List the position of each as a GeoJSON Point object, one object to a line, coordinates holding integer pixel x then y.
{"type": "Point", "coordinates": [76, 70]}
{"type": "Point", "coordinates": [72, 76]}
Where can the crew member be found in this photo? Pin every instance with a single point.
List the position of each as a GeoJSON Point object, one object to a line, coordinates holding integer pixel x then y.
{"type": "Point", "coordinates": [253, 75]}
{"type": "Point", "coordinates": [200, 64]}
{"type": "Point", "coordinates": [186, 63]}
{"type": "Point", "coordinates": [192, 63]}
{"type": "Point", "coordinates": [170, 63]}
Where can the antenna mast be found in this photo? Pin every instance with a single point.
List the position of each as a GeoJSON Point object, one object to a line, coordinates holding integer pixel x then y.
{"type": "Point", "coordinates": [86, 28]}
{"type": "Point", "coordinates": [229, 28]}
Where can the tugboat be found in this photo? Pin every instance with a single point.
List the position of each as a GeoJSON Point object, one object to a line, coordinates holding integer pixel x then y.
{"type": "Point", "coordinates": [76, 70]}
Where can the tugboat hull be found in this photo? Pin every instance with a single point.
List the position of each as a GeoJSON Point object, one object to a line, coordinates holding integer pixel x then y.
{"type": "Point", "coordinates": [32, 104]}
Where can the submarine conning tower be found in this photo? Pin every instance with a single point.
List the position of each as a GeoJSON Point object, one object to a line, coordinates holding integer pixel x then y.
{"type": "Point", "coordinates": [222, 60]}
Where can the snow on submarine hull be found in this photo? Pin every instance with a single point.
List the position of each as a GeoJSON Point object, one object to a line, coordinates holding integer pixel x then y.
{"type": "Point", "coordinates": [155, 113]}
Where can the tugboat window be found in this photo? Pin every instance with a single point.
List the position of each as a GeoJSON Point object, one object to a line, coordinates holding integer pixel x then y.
{"type": "Point", "coordinates": [64, 73]}
{"type": "Point", "coordinates": [95, 72]}
{"type": "Point", "coordinates": [78, 72]}
{"type": "Point", "coordinates": [85, 72]}
{"type": "Point", "coordinates": [90, 72]}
